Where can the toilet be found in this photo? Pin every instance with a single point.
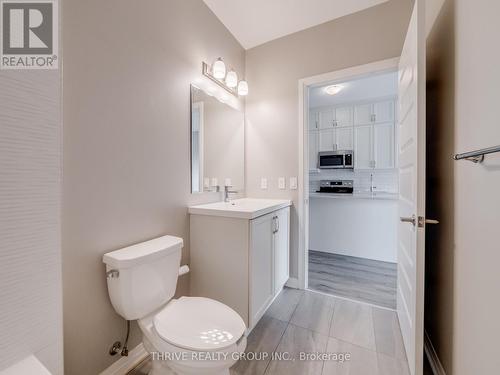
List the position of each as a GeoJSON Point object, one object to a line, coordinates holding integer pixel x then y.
{"type": "Point", "coordinates": [189, 335]}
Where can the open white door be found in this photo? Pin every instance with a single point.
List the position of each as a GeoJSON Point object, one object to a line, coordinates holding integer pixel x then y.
{"type": "Point", "coordinates": [411, 233]}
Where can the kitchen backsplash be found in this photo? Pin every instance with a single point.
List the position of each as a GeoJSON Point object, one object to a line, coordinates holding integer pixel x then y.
{"type": "Point", "coordinates": [383, 180]}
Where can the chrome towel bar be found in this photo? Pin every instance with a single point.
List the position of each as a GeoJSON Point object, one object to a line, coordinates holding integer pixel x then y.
{"type": "Point", "coordinates": [478, 155]}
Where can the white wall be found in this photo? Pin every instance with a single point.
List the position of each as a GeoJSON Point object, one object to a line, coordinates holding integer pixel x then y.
{"type": "Point", "coordinates": [30, 203]}
{"type": "Point", "coordinates": [127, 74]}
{"type": "Point", "coordinates": [273, 71]}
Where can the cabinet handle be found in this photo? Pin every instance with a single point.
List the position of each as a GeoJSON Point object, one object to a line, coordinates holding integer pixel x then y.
{"type": "Point", "coordinates": [277, 225]}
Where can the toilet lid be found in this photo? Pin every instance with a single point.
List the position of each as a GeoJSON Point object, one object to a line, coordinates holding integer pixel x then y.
{"type": "Point", "coordinates": [199, 324]}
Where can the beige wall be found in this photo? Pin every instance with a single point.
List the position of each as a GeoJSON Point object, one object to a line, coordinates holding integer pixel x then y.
{"type": "Point", "coordinates": [273, 71]}
{"type": "Point", "coordinates": [463, 252]}
{"type": "Point", "coordinates": [127, 69]}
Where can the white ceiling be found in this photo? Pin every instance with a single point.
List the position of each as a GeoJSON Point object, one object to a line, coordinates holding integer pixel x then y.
{"type": "Point", "coordinates": [356, 90]}
{"type": "Point", "coordinates": [254, 22]}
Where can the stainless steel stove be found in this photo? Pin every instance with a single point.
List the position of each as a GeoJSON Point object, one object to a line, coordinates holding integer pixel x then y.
{"type": "Point", "coordinates": [336, 186]}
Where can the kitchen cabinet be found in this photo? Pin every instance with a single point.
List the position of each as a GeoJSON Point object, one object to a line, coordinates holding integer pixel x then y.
{"type": "Point", "coordinates": [363, 144]}
{"type": "Point", "coordinates": [375, 112]}
{"type": "Point", "coordinates": [241, 262]}
{"type": "Point", "coordinates": [366, 128]}
{"type": "Point", "coordinates": [374, 146]}
{"type": "Point", "coordinates": [313, 150]}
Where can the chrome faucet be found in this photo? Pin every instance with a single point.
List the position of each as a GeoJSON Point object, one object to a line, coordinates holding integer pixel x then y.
{"type": "Point", "coordinates": [227, 192]}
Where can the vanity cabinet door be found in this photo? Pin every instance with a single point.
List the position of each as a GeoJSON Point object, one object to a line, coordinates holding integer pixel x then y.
{"type": "Point", "coordinates": [281, 248]}
{"type": "Point", "coordinates": [261, 265]}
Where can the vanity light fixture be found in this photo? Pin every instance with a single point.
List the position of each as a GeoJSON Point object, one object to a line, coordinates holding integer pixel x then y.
{"type": "Point", "coordinates": [333, 89]}
{"type": "Point", "coordinates": [243, 88]}
{"type": "Point", "coordinates": [231, 79]}
{"type": "Point", "coordinates": [219, 69]}
{"type": "Point", "coordinates": [228, 81]}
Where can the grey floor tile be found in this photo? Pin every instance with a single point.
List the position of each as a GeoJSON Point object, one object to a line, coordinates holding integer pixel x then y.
{"type": "Point", "coordinates": [142, 369]}
{"type": "Point", "coordinates": [388, 339]}
{"type": "Point", "coordinates": [264, 338]}
{"type": "Point", "coordinates": [284, 305]}
{"type": "Point", "coordinates": [362, 361]}
{"type": "Point", "coordinates": [391, 366]}
{"type": "Point", "coordinates": [353, 322]}
{"type": "Point", "coordinates": [314, 312]}
{"type": "Point", "coordinates": [294, 341]}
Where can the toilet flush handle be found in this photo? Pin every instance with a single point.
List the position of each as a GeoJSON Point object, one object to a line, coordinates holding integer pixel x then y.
{"type": "Point", "coordinates": [183, 270]}
{"type": "Point", "coordinates": [111, 274]}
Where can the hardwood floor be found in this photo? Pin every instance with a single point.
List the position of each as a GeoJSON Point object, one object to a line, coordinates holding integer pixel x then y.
{"type": "Point", "coordinates": [360, 279]}
{"type": "Point", "coordinates": [312, 323]}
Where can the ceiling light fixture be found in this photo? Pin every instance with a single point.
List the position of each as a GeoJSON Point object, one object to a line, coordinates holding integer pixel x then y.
{"type": "Point", "coordinates": [333, 89]}
{"type": "Point", "coordinates": [228, 81]}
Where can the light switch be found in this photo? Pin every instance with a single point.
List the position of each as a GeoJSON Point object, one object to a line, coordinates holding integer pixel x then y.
{"type": "Point", "coordinates": [263, 183]}
{"type": "Point", "coordinates": [281, 183]}
{"type": "Point", "coordinates": [293, 183]}
{"type": "Point", "coordinates": [214, 182]}
{"type": "Point", "coordinates": [206, 182]}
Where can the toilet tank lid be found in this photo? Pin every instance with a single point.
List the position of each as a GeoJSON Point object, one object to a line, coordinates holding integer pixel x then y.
{"type": "Point", "coordinates": [142, 252]}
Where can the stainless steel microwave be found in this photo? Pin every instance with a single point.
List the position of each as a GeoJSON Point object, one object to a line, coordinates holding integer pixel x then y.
{"type": "Point", "coordinates": [342, 159]}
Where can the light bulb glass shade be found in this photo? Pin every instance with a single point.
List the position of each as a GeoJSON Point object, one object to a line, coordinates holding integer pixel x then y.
{"type": "Point", "coordinates": [333, 89]}
{"type": "Point", "coordinates": [219, 69]}
{"type": "Point", "coordinates": [243, 88]}
{"type": "Point", "coordinates": [231, 79]}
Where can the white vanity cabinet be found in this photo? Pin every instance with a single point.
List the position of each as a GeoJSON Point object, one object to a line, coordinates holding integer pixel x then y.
{"type": "Point", "coordinates": [240, 258]}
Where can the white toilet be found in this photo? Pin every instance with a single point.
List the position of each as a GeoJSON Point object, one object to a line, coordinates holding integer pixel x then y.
{"type": "Point", "coordinates": [189, 335]}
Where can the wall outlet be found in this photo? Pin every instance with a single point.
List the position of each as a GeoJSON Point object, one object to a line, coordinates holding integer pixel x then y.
{"type": "Point", "coordinates": [263, 183]}
{"type": "Point", "coordinates": [281, 183]}
{"type": "Point", "coordinates": [293, 183]}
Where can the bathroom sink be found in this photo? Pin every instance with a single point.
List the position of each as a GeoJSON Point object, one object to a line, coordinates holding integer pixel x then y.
{"type": "Point", "coordinates": [245, 208]}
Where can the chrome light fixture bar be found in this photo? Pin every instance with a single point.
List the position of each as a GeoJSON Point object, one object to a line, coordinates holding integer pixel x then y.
{"type": "Point", "coordinates": [234, 87]}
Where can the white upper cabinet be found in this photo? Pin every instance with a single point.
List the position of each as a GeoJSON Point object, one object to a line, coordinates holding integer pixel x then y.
{"type": "Point", "coordinates": [343, 138]}
{"type": "Point", "coordinates": [326, 119]}
{"type": "Point", "coordinates": [313, 120]}
{"type": "Point", "coordinates": [363, 145]}
{"type": "Point", "coordinates": [383, 111]}
{"type": "Point", "coordinates": [343, 116]}
{"type": "Point", "coordinates": [313, 150]}
{"type": "Point", "coordinates": [383, 145]}
{"type": "Point", "coordinates": [327, 140]}
{"type": "Point", "coordinates": [363, 114]}
{"type": "Point", "coordinates": [366, 128]}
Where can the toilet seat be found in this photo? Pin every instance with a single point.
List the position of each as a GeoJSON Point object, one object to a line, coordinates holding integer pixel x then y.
{"type": "Point", "coordinates": [198, 324]}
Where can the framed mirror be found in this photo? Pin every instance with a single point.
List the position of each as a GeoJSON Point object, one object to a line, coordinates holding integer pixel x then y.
{"type": "Point", "coordinates": [217, 144]}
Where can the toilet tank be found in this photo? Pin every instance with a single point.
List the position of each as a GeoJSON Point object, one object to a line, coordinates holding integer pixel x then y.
{"type": "Point", "coordinates": [141, 278]}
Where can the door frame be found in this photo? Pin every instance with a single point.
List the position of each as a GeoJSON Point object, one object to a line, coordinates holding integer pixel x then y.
{"type": "Point", "coordinates": [304, 85]}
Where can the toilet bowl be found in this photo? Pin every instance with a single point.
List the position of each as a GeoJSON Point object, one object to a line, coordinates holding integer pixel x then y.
{"type": "Point", "coordinates": [185, 336]}
{"type": "Point", "coordinates": [193, 335]}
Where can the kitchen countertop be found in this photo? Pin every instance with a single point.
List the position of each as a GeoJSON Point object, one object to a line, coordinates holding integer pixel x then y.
{"type": "Point", "coordinates": [357, 195]}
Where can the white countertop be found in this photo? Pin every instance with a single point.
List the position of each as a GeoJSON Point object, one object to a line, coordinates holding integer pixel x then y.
{"type": "Point", "coordinates": [245, 208]}
{"type": "Point", "coordinates": [356, 195]}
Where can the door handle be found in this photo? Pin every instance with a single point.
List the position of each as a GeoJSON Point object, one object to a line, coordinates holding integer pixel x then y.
{"type": "Point", "coordinates": [411, 220]}
{"type": "Point", "coordinates": [421, 221]}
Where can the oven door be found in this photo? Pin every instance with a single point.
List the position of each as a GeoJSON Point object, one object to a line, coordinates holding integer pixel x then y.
{"type": "Point", "coordinates": [330, 160]}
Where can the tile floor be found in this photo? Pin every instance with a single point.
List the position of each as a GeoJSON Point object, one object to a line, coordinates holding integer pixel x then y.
{"type": "Point", "coordinates": [310, 322]}
{"type": "Point", "coordinates": [360, 279]}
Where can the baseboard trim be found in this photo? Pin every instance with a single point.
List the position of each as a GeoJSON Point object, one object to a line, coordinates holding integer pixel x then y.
{"type": "Point", "coordinates": [293, 282]}
{"type": "Point", "coordinates": [126, 364]}
{"type": "Point", "coordinates": [430, 352]}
